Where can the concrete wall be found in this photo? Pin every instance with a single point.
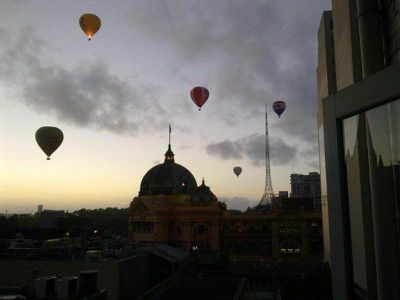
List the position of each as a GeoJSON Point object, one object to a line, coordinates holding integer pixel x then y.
{"type": "Point", "coordinates": [326, 85]}
{"type": "Point", "coordinates": [347, 45]}
{"type": "Point", "coordinates": [326, 73]}
{"type": "Point", "coordinates": [391, 15]}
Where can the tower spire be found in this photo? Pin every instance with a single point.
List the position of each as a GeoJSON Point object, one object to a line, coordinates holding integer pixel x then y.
{"type": "Point", "coordinates": [169, 155]}
{"type": "Point", "coordinates": [169, 135]}
{"type": "Point", "coordinates": [268, 192]}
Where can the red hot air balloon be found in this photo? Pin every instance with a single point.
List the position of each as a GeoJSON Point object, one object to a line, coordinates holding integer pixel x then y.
{"type": "Point", "coordinates": [199, 95]}
{"type": "Point", "coordinates": [279, 107]}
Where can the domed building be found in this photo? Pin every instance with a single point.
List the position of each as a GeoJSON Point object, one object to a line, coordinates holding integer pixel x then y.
{"type": "Point", "coordinates": [172, 209]}
{"type": "Point", "coordinates": [168, 178]}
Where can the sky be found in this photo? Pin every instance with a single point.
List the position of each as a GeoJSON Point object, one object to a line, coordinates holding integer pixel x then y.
{"type": "Point", "coordinates": [114, 96]}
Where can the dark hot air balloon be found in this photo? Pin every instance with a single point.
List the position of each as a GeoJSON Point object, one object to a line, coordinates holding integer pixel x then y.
{"type": "Point", "coordinates": [237, 171]}
{"type": "Point", "coordinates": [279, 107]}
{"type": "Point", "coordinates": [49, 139]}
{"type": "Point", "coordinates": [90, 24]}
{"type": "Point", "coordinates": [199, 95]}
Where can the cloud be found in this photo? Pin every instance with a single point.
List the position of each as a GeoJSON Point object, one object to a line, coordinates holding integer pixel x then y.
{"type": "Point", "coordinates": [240, 203]}
{"type": "Point", "coordinates": [225, 149]}
{"type": "Point", "coordinates": [246, 54]}
{"type": "Point", "coordinates": [86, 96]}
{"type": "Point", "coordinates": [252, 147]}
{"type": "Point", "coordinates": [314, 165]}
{"type": "Point", "coordinates": [311, 151]}
{"type": "Point", "coordinates": [310, 156]}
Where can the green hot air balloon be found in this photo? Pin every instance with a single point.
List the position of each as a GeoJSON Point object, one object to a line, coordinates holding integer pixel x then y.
{"type": "Point", "coordinates": [49, 139]}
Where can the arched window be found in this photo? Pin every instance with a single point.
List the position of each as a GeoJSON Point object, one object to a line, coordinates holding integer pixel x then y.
{"type": "Point", "coordinates": [200, 229]}
{"type": "Point", "coordinates": [201, 236]}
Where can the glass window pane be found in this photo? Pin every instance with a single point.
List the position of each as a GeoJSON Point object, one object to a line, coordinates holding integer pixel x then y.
{"type": "Point", "coordinates": [352, 160]}
{"type": "Point", "coordinates": [383, 154]}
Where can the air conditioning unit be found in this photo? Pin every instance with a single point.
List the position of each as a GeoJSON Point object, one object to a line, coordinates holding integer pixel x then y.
{"type": "Point", "coordinates": [67, 287]}
{"type": "Point", "coordinates": [45, 287]}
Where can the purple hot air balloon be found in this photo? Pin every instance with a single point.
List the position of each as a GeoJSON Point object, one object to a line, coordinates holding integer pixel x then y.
{"type": "Point", "coordinates": [279, 107]}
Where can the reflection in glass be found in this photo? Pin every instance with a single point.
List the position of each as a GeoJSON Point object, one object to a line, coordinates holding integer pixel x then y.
{"type": "Point", "coordinates": [383, 150]}
{"type": "Point", "coordinates": [357, 230]}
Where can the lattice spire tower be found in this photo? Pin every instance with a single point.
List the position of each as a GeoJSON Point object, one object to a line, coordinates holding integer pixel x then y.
{"type": "Point", "coordinates": [268, 192]}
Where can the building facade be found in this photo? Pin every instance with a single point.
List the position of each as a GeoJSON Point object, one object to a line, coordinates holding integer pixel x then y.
{"type": "Point", "coordinates": [172, 209]}
{"type": "Point", "coordinates": [306, 186]}
{"type": "Point", "coordinates": [359, 143]}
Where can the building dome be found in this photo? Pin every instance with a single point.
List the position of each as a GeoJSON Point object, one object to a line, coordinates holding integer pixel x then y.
{"type": "Point", "coordinates": [168, 178]}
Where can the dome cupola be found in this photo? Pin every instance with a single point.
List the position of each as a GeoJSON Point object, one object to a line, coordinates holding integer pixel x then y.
{"type": "Point", "coordinates": [168, 178]}
{"type": "Point", "coordinates": [203, 194]}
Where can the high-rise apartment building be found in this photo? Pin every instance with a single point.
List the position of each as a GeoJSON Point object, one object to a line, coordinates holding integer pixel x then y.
{"type": "Point", "coordinates": [359, 144]}
{"type": "Point", "coordinates": [306, 186]}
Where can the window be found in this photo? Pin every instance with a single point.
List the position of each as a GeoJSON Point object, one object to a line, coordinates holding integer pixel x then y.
{"type": "Point", "coordinates": [200, 229]}
{"type": "Point", "coordinates": [372, 160]}
{"type": "Point", "coordinates": [143, 227]}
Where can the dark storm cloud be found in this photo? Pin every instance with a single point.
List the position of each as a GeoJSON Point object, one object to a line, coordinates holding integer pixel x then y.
{"type": "Point", "coordinates": [88, 96]}
{"type": "Point", "coordinates": [310, 155]}
{"type": "Point", "coordinates": [252, 147]}
{"type": "Point", "coordinates": [314, 165]}
{"type": "Point", "coordinates": [255, 51]}
{"type": "Point", "coordinates": [310, 151]}
{"type": "Point", "coordinates": [225, 149]}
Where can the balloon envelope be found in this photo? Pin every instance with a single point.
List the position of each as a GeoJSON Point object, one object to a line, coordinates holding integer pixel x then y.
{"type": "Point", "coordinates": [237, 171]}
{"type": "Point", "coordinates": [90, 24]}
{"type": "Point", "coordinates": [49, 139]}
{"type": "Point", "coordinates": [199, 95]}
{"type": "Point", "coordinates": [279, 107]}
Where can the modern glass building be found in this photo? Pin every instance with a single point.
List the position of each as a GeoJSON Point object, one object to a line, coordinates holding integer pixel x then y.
{"type": "Point", "coordinates": [359, 139]}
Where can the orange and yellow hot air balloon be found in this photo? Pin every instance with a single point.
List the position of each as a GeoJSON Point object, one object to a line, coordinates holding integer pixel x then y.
{"type": "Point", "coordinates": [90, 24]}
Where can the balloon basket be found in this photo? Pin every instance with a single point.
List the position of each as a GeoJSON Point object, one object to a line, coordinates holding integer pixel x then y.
{"type": "Point", "coordinates": [48, 158]}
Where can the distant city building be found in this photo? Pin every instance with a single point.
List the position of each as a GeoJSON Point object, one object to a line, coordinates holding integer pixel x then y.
{"type": "Point", "coordinates": [283, 194]}
{"type": "Point", "coordinates": [306, 186]}
{"type": "Point", "coordinates": [40, 208]}
{"type": "Point", "coordinates": [172, 209]}
{"type": "Point", "coordinates": [358, 77]}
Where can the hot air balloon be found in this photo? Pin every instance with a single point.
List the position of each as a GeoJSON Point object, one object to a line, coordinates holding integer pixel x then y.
{"type": "Point", "coordinates": [199, 95]}
{"type": "Point", "coordinates": [49, 139]}
{"type": "Point", "coordinates": [90, 24]}
{"type": "Point", "coordinates": [237, 171]}
{"type": "Point", "coordinates": [279, 107]}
